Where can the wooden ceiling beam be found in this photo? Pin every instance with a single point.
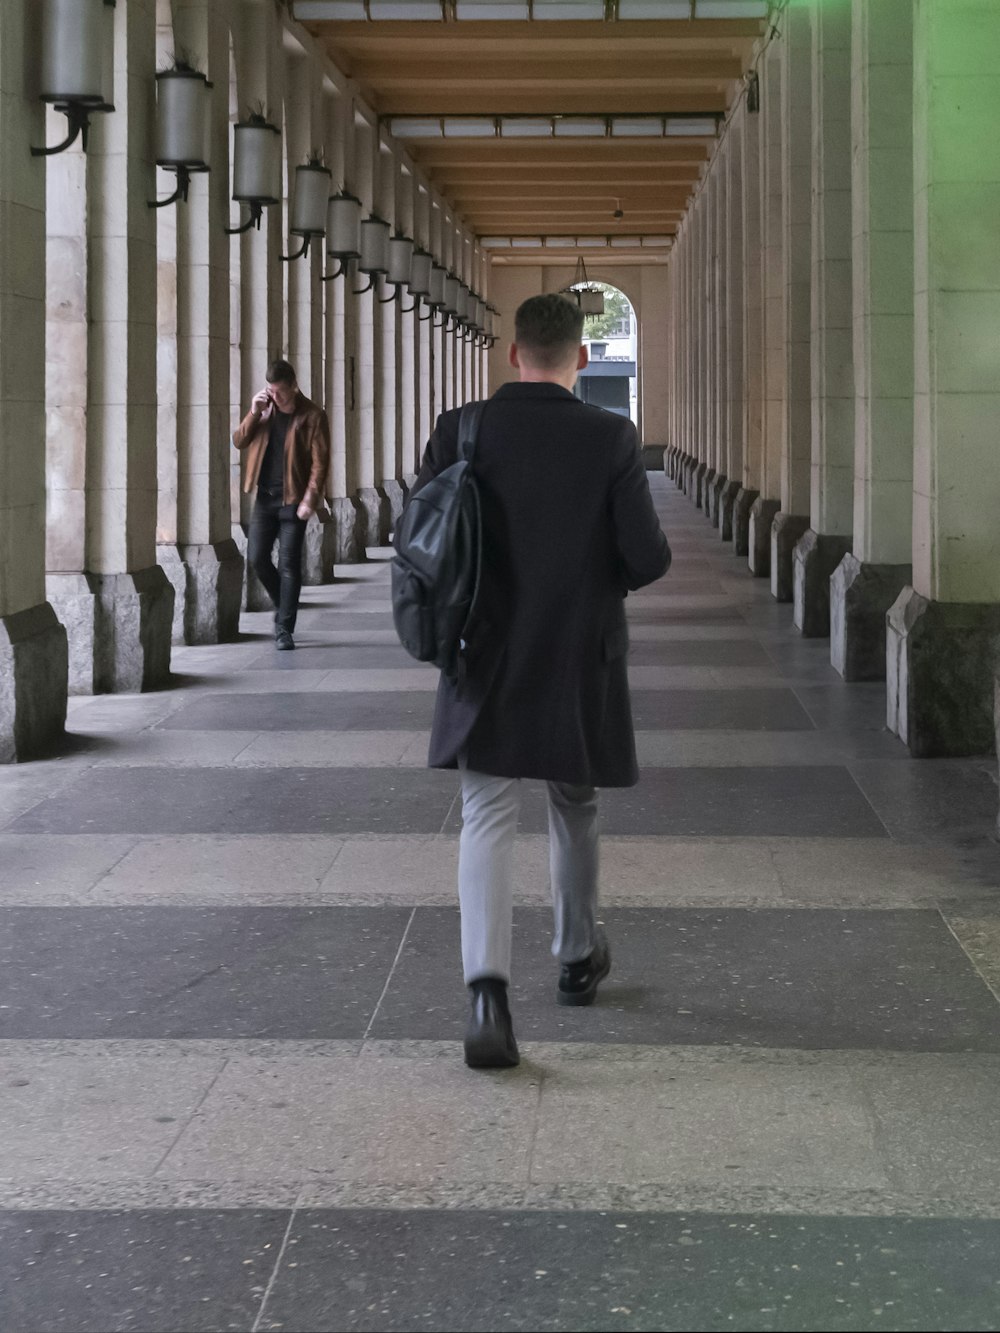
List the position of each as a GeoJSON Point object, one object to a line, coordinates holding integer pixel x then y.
{"type": "Point", "coordinates": [472, 38]}
{"type": "Point", "coordinates": [397, 74]}
{"type": "Point", "coordinates": [569, 177]}
{"type": "Point", "coordinates": [610, 100]}
{"type": "Point", "coordinates": [615, 153]}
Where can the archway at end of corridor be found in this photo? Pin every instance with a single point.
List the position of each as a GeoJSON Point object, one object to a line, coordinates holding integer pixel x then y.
{"type": "Point", "coordinates": [612, 339]}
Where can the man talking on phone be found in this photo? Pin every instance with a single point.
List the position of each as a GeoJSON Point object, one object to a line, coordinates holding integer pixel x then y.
{"type": "Point", "coordinates": [287, 439]}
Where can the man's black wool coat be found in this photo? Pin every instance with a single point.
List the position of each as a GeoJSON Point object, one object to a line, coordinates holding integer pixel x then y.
{"type": "Point", "coordinates": [568, 527]}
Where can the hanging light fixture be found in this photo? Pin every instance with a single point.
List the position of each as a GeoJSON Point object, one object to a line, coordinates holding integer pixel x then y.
{"type": "Point", "coordinates": [589, 298]}
{"type": "Point", "coordinates": [310, 197]}
{"type": "Point", "coordinates": [76, 72]}
{"type": "Point", "coordinates": [256, 168]}
{"type": "Point", "coordinates": [183, 120]}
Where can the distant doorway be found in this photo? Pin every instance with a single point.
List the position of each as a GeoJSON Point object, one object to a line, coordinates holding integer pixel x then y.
{"type": "Point", "coordinates": [610, 380]}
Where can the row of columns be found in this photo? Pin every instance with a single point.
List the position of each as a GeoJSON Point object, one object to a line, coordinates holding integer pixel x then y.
{"type": "Point", "coordinates": [132, 339]}
{"type": "Point", "coordinates": [834, 348]}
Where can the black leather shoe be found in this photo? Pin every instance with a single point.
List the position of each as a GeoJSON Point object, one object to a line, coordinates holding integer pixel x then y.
{"type": "Point", "coordinates": [578, 982]}
{"type": "Point", "coordinates": [283, 641]}
{"type": "Point", "coordinates": [489, 1038]}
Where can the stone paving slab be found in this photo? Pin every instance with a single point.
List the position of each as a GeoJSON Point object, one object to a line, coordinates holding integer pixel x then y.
{"type": "Point", "coordinates": [420, 870]}
{"type": "Point", "coordinates": [80, 1116]}
{"type": "Point", "coordinates": [246, 800]}
{"type": "Point", "coordinates": [616, 1272]}
{"type": "Point", "coordinates": [178, 971]}
{"type": "Point", "coordinates": [893, 980]}
{"type": "Point", "coordinates": [139, 1271]}
{"type": "Point", "coordinates": [935, 800]}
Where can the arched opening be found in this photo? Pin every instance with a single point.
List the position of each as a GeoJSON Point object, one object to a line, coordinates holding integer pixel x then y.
{"type": "Point", "coordinates": [612, 339]}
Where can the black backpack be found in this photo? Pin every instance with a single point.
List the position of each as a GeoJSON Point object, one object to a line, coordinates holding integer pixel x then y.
{"type": "Point", "coordinates": [435, 571]}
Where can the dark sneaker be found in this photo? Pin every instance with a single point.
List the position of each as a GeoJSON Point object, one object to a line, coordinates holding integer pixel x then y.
{"type": "Point", "coordinates": [489, 1037]}
{"type": "Point", "coordinates": [283, 641]}
{"type": "Point", "coordinates": [578, 982]}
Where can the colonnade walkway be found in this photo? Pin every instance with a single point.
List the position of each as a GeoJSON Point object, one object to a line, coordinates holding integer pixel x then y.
{"type": "Point", "coordinates": [232, 1092]}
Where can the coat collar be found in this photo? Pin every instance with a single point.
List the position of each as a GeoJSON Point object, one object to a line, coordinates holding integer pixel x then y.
{"type": "Point", "coordinates": [529, 391]}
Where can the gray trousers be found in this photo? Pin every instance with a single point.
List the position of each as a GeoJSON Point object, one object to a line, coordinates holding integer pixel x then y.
{"type": "Point", "coordinates": [490, 808]}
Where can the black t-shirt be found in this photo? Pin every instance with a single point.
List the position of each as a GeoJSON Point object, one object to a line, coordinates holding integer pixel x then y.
{"type": "Point", "coordinates": [272, 469]}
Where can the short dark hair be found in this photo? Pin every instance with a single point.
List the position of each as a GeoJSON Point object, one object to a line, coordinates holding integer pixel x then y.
{"type": "Point", "coordinates": [548, 327]}
{"type": "Point", "coordinates": [280, 372]}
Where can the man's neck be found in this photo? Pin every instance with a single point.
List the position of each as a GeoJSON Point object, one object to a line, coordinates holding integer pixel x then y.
{"type": "Point", "coordinates": [566, 379]}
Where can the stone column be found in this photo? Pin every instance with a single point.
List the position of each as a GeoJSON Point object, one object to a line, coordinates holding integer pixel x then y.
{"type": "Point", "coordinates": [754, 347]}
{"type": "Point", "coordinates": [33, 651]}
{"type": "Point", "coordinates": [698, 347]}
{"type": "Point", "coordinates": [711, 383]}
{"type": "Point", "coordinates": [374, 509]}
{"type": "Point", "coordinates": [832, 500]}
{"type": "Point", "coordinates": [347, 539]}
{"type": "Point", "coordinates": [796, 452]}
{"type": "Point", "coordinates": [722, 426]}
{"type": "Point", "coordinates": [425, 420]}
{"type": "Point", "coordinates": [942, 631]}
{"type": "Point", "coordinates": [733, 315]}
{"type": "Point", "coordinates": [768, 503]}
{"type": "Point", "coordinates": [387, 359]}
{"type": "Point", "coordinates": [867, 581]}
{"type": "Point", "coordinates": [207, 558]}
{"type": "Point", "coordinates": [259, 82]}
{"type": "Point", "coordinates": [124, 603]}
{"type": "Point", "coordinates": [409, 349]}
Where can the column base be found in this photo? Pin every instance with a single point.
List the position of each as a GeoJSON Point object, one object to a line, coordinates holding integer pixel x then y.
{"type": "Point", "coordinates": [860, 596]}
{"type": "Point", "coordinates": [814, 560]}
{"type": "Point", "coordinates": [939, 675]}
{"type": "Point", "coordinates": [786, 531]}
{"type": "Point", "coordinates": [34, 666]}
{"type": "Point", "coordinates": [698, 485]}
{"type": "Point", "coordinates": [670, 462]}
{"type": "Point", "coordinates": [255, 596]}
{"type": "Point", "coordinates": [207, 578]}
{"type": "Point", "coordinates": [652, 457]}
{"type": "Point", "coordinates": [707, 486]}
{"type": "Point", "coordinates": [688, 465]}
{"type": "Point", "coordinates": [348, 533]}
{"type": "Point", "coordinates": [393, 494]}
{"type": "Point", "coordinates": [742, 509]}
{"type": "Point", "coordinates": [715, 496]}
{"type": "Point", "coordinates": [409, 480]}
{"type": "Point", "coordinates": [762, 515]}
{"type": "Point", "coordinates": [374, 514]}
{"type": "Point", "coordinates": [119, 628]}
{"type": "Point", "coordinates": [727, 507]}
{"type": "Point", "coordinates": [319, 551]}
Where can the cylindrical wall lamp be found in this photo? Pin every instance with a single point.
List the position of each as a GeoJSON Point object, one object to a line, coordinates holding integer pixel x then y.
{"type": "Point", "coordinates": [310, 200]}
{"type": "Point", "coordinates": [400, 267]}
{"type": "Point", "coordinates": [256, 168]}
{"type": "Point", "coordinates": [435, 291]}
{"type": "Point", "coordinates": [183, 120]}
{"type": "Point", "coordinates": [374, 251]}
{"type": "Point", "coordinates": [343, 231]}
{"type": "Point", "coordinates": [420, 273]}
{"type": "Point", "coordinates": [77, 63]}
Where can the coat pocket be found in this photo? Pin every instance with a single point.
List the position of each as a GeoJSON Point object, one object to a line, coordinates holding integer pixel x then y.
{"type": "Point", "coordinates": [616, 644]}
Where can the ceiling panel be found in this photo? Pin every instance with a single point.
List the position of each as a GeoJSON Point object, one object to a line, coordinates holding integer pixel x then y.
{"type": "Point", "coordinates": [543, 176]}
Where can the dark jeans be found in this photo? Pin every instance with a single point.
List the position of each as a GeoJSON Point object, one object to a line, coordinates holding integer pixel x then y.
{"type": "Point", "coordinates": [271, 519]}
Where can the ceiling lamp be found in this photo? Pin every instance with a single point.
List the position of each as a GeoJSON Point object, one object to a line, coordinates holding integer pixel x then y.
{"type": "Point", "coordinates": [590, 299]}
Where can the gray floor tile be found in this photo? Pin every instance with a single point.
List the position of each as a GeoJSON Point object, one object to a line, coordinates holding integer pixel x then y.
{"type": "Point", "coordinates": [136, 1272]}
{"type": "Point", "coordinates": [816, 980]}
{"type": "Point", "coordinates": [744, 710]}
{"type": "Point", "coordinates": [346, 618]}
{"type": "Point", "coordinates": [604, 1271]}
{"type": "Point", "coordinates": [335, 657]}
{"type": "Point", "coordinates": [935, 800]}
{"type": "Point", "coordinates": [839, 706]}
{"type": "Point", "coordinates": [307, 711]}
{"type": "Point", "coordinates": [752, 802]}
{"type": "Point", "coordinates": [735, 653]}
{"type": "Point", "coordinates": [194, 972]}
{"type": "Point", "coordinates": [247, 800]}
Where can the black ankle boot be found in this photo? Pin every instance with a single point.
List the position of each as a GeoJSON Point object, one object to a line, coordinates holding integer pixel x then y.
{"type": "Point", "coordinates": [489, 1038]}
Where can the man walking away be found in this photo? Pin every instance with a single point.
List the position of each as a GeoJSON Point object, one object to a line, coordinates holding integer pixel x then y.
{"type": "Point", "coordinates": [287, 439]}
{"type": "Point", "coordinates": [568, 527]}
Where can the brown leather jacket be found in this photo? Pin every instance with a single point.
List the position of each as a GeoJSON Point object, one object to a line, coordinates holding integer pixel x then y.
{"type": "Point", "coordinates": [307, 451]}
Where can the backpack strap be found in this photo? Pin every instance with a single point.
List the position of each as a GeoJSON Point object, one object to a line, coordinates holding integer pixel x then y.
{"type": "Point", "coordinates": [468, 429]}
